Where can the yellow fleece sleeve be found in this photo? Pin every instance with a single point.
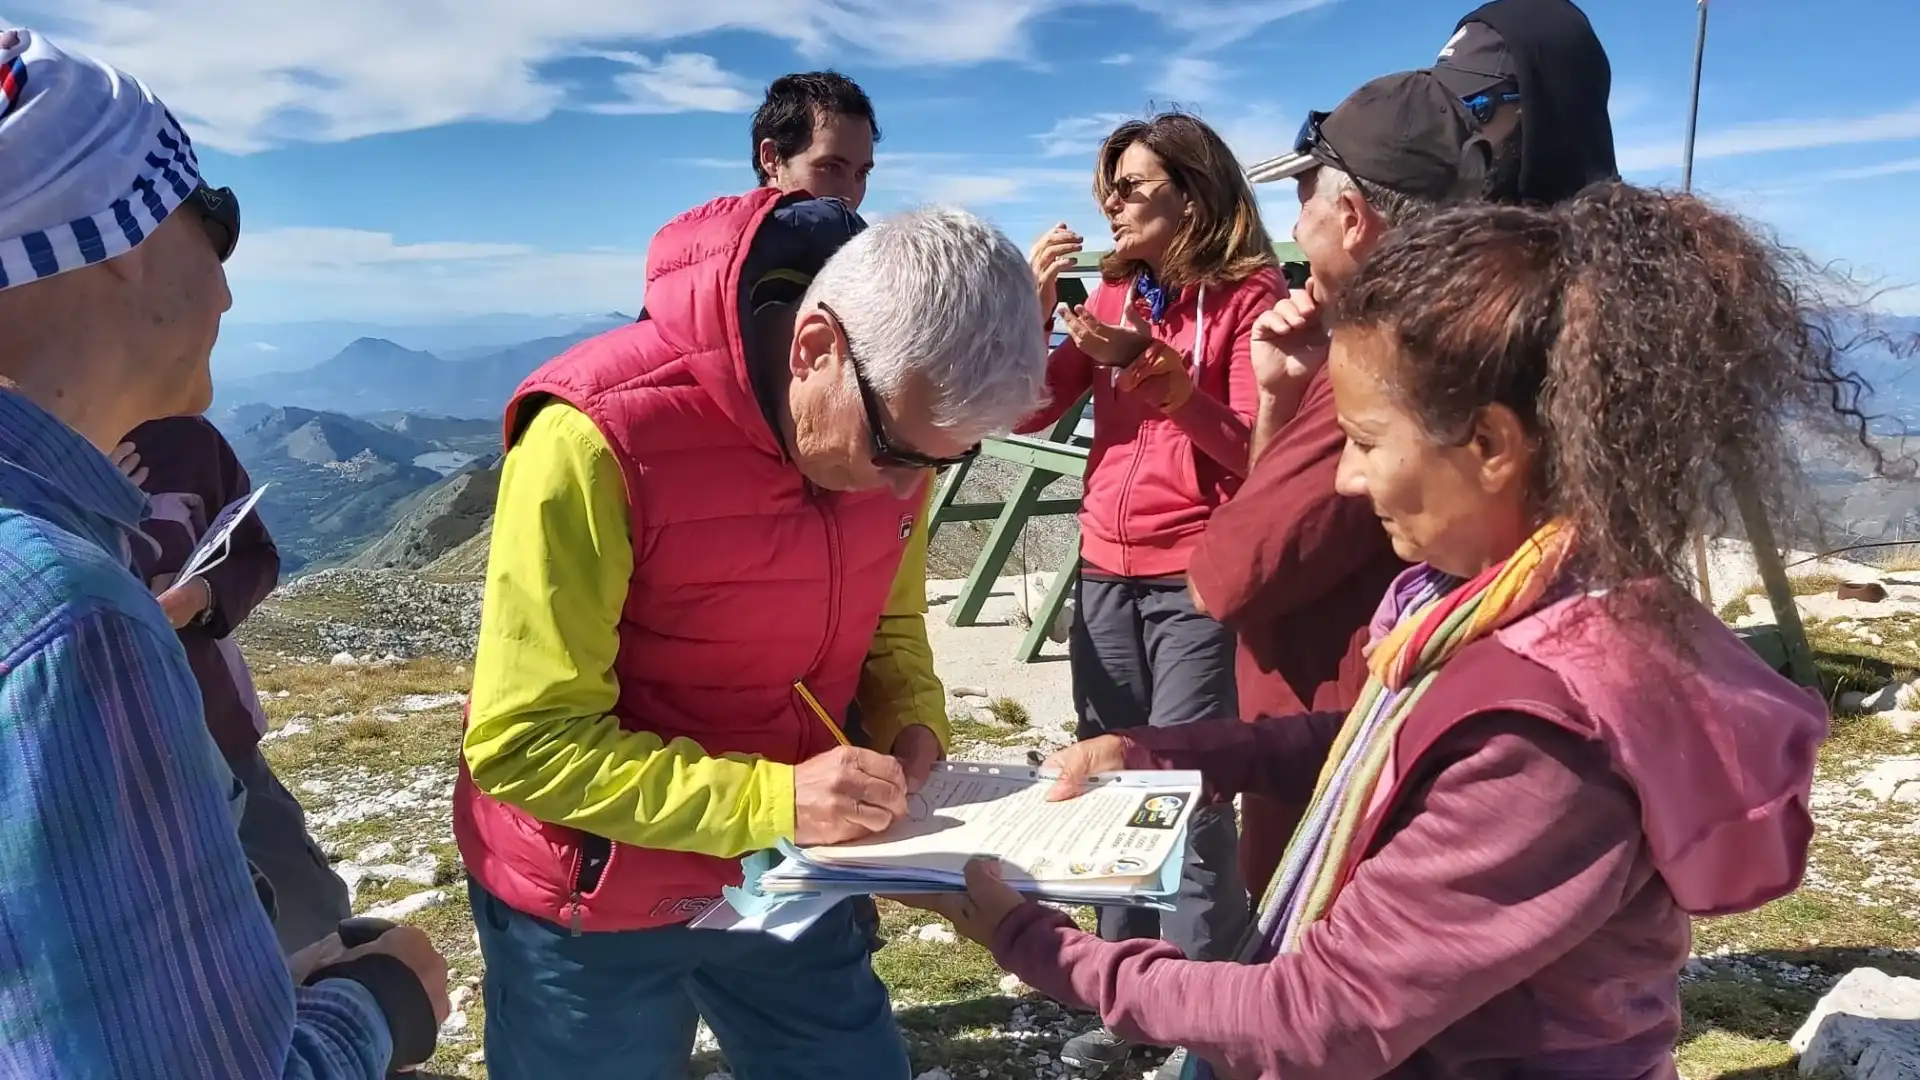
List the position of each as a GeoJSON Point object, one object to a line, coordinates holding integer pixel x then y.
{"type": "Point", "coordinates": [540, 730]}
{"type": "Point", "coordinates": [898, 686]}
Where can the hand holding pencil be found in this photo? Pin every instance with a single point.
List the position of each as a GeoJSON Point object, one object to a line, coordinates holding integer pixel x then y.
{"type": "Point", "coordinates": [846, 793]}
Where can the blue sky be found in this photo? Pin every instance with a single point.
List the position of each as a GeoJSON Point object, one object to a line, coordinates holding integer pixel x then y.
{"type": "Point", "coordinates": [430, 159]}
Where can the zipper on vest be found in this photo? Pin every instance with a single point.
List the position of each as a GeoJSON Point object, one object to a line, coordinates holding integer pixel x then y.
{"type": "Point", "coordinates": [573, 899]}
{"type": "Point", "coordinates": [590, 859]}
{"type": "Point", "coordinates": [830, 526]}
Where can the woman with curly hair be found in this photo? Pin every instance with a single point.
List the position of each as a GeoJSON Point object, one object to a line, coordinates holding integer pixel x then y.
{"type": "Point", "coordinates": [1561, 756]}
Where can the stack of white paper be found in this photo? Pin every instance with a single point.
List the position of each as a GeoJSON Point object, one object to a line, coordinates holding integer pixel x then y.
{"type": "Point", "coordinates": [1122, 842]}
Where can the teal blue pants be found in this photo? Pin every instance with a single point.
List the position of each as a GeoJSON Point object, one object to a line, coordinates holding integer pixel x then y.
{"type": "Point", "coordinates": [623, 1006]}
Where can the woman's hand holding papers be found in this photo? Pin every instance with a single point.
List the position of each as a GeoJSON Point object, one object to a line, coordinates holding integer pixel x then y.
{"type": "Point", "coordinates": [1072, 766]}
{"type": "Point", "coordinates": [977, 913]}
{"type": "Point", "coordinates": [845, 794]}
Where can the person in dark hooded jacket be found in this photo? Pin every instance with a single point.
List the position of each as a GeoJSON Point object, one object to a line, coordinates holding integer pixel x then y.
{"type": "Point", "coordinates": [1537, 77]}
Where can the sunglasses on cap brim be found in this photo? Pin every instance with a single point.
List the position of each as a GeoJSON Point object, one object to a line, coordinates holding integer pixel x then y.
{"type": "Point", "coordinates": [219, 209]}
{"type": "Point", "coordinates": [1483, 104]}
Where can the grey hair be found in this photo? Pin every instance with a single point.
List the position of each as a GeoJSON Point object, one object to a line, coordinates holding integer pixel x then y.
{"type": "Point", "coordinates": [1394, 207]}
{"type": "Point", "coordinates": [938, 292]}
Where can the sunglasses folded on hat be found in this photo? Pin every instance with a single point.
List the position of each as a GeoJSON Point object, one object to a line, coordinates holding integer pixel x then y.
{"type": "Point", "coordinates": [1406, 132]}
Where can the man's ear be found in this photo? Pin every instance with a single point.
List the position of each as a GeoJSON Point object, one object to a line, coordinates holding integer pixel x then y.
{"type": "Point", "coordinates": [769, 157]}
{"type": "Point", "coordinates": [1359, 225]}
{"type": "Point", "coordinates": [816, 343]}
{"type": "Point", "coordinates": [1476, 169]}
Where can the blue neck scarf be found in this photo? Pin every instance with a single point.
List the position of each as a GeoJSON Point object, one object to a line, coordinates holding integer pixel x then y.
{"type": "Point", "coordinates": [1157, 296]}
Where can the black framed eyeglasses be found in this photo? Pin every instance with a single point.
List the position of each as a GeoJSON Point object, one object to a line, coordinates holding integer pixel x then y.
{"type": "Point", "coordinates": [886, 453]}
{"type": "Point", "coordinates": [219, 210]}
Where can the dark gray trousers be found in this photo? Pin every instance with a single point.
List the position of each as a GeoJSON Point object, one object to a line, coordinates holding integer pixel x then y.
{"type": "Point", "coordinates": [1141, 655]}
{"type": "Point", "coordinates": [309, 898]}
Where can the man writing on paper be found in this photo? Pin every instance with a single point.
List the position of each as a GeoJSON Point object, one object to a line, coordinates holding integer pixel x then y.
{"type": "Point", "coordinates": [814, 133]}
{"type": "Point", "coordinates": [701, 517]}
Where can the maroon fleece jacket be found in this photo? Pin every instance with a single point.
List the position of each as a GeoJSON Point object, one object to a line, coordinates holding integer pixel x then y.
{"type": "Point", "coordinates": [189, 461]}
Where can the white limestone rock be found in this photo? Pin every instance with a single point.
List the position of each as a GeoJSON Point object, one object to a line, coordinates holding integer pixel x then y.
{"type": "Point", "coordinates": [1866, 1028]}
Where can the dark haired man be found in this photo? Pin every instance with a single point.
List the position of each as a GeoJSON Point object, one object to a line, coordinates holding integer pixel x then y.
{"type": "Point", "coordinates": [815, 133]}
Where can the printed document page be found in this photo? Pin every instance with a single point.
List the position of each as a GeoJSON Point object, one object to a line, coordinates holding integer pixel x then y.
{"type": "Point", "coordinates": [1118, 833]}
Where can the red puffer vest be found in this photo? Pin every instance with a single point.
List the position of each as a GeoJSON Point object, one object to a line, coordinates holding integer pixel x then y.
{"type": "Point", "coordinates": [746, 578]}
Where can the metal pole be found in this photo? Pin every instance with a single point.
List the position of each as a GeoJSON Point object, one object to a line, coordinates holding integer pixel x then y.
{"type": "Point", "coordinates": [1693, 110]}
{"type": "Point", "coordinates": [1753, 512]}
{"type": "Point", "coordinates": [1702, 565]}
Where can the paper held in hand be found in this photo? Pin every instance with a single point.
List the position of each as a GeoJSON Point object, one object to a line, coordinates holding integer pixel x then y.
{"type": "Point", "coordinates": [1121, 842]}
{"type": "Point", "coordinates": [215, 545]}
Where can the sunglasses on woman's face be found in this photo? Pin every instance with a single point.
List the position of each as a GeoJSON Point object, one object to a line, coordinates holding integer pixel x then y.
{"type": "Point", "coordinates": [1127, 186]}
{"type": "Point", "coordinates": [219, 211]}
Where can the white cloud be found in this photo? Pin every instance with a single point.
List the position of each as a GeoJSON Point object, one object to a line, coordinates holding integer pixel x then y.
{"type": "Point", "coordinates": [264, 346]}
{"type": "Point", "coordinates": [1119, 59]}
{"type": "Point", "coordinates": [1774, 136]}
{"type": "Point", "coordinates": [357, 274]}
{"type": "Point", "coordinates": [1189, 80]}
{"type": "Point", "coordinates": [247, 75]}
{"type": "Point", "coordinates": [1077, 136]}
{"type": "Point", "coordinates": [1215, 23]}
{"type": "Point", "coordinates": [1873, 172]}
{"type": "Point", "coordinates": [677, 82]}
{"type": "Point", "coordinates": [967, 179]}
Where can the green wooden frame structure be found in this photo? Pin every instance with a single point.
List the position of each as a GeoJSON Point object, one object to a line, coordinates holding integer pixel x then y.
{"type": "Point", "coordinates": [1043, 459]}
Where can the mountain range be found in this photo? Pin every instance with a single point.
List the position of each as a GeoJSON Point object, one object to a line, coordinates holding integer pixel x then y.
{"type": "Point", "coordinates": [374, 375]}
{"type": "Point", "coordinates": [246, 349]}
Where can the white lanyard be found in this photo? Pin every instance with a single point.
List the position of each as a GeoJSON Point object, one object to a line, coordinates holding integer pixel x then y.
{"type": "Point", "coordinates": [1199, 326]}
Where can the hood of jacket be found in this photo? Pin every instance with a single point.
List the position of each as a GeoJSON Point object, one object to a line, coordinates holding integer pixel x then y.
{"type": "Point", "coordinates": [1719, 747]}
{"type": "Point", "coordinates": [1566, 135]}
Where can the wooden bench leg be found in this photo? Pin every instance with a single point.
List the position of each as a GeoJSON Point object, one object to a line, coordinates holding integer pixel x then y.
{"type": "Point", "coordinates": [1006, 530]}
{"type": "Point", "coordinates": [949, 490]}
{"type": "Point", "coordinates": [1062, 587]}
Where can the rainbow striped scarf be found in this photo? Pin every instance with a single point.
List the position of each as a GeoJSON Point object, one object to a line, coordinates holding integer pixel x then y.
{"type": "Point", "coordinates": [1443, 616]}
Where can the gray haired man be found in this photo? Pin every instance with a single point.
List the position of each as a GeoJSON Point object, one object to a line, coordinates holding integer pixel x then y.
{"type": "Point", "coordinates": [701, 519]}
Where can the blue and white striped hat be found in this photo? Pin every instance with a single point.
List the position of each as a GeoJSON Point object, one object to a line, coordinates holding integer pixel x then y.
{"type": "Point", "coordinates": [90, 161]}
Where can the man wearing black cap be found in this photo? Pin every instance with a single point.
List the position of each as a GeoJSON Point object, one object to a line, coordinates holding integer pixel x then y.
{"type": "Point", "coordinates": [1399, 145]}
{"type": "Point", "coordinates": [1535, 75]}
{"type": "Point", "coordinates": [1294, 568]}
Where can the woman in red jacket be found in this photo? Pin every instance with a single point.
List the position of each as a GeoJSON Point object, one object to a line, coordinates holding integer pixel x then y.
{"type": "Point", "coordinates": [1164, 345]}
{"type": "Point", "coordinates": [1561, 755]}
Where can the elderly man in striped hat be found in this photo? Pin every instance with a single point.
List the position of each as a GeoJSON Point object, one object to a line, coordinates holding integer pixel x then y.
{"type": "Point", "coordinates": [132, 940]}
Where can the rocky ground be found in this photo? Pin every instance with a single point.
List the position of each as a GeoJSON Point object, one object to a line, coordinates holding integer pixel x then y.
{"type": "Point", "coordinates": [363, 674]}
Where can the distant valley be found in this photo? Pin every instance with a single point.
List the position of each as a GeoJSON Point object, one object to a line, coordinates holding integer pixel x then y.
{"type": "Point", "coordinates": [382, 455]}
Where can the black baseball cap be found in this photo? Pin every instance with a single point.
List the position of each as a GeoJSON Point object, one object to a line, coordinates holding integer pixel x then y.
{"type": "Point", "coordinates": [1405, 132]}
{"type": "Point", "coordinates": [1475, 60]}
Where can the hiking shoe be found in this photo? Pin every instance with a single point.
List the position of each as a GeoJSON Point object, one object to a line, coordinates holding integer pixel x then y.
{"type": "Point", "coordinates": [1170, 1069]}
{"type": "Point", "coordinates": [1095, 1053]}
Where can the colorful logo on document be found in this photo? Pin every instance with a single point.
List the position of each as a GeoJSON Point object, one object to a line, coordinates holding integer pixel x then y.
{"type": "Point", "coordinates": [1158, 812]}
